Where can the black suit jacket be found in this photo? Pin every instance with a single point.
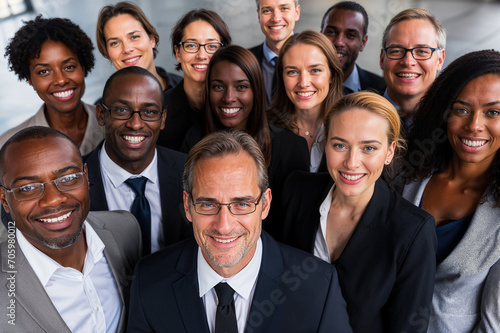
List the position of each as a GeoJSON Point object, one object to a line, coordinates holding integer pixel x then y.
{"type": "Point", "coordinates": [371, 81]}
{"type": "Point", "coordinates": [387, 268]}
{"type": "Point", "coordinates": [180, 118]}
{"type": "Point", "coordinates": [170, 169]}
{"type": "Point", "coordinates": [295, 292]}
{"type": "Point", "coordinates": [258, 52]}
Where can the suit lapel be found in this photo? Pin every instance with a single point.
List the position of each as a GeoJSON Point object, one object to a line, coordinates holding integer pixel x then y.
{"type": "Point", "coordinates": [96, 190]}
{"type": "Point", "coordinates": [31, 295]}
{"type": "Point", "coordinates": [186, 289]}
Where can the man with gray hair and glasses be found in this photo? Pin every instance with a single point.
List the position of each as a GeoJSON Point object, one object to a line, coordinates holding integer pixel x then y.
{"type": "Point", "coordinates": [232, 276]}
{"type": "Point", "coordinates": [413, 51]}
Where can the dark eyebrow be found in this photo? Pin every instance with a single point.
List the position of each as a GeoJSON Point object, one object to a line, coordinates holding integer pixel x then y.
{"type": "Point", "coordinates": [129, 105]}
{"type": "Point", "coordinates": [467, 104]}
{"type": "Point", "coordinates": [56, 173]}
{"type": "Point", "coordinates": [63, 62]}
{"type": "Point", "coordinates": [130, 33]}
{"type": "Point", "coordinates": [234, 199]}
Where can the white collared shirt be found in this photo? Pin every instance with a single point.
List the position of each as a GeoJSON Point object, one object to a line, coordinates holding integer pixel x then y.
{"type": "Point", "coordinates": [88, 301]}
{"type": "Point", "coordinates": [317, 150]}
{"type": "Point", "coordinates": [243, 284]}
{"type": "Point", "coordinates": [120, 196]}
{"type": "Point", "coordinates": [352, 81]}
{"type": "Point", "coordinates": [320, 246]}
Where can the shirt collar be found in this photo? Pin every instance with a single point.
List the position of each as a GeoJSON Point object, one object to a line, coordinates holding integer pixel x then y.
{"type": "Point", "coordinates": [352, 82]}
{"type": "Point", "coordinates": [268, 54]}
{"type": "Point", "coordinates": [386, 95]}
{"type": "Point", "coordinates": [44, 266]}
{"type": "Point", "coordinates": [242, 282]}
{"type": "Point", "coordinates": [117, 175]}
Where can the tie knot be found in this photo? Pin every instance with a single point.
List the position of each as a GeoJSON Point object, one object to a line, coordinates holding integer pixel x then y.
{"type": "Point", "coordinates": [274, 60]}
{"type": "Point", "coordinates": [224, 293]}
{"type": "Point", "coordinates": [138, 185]}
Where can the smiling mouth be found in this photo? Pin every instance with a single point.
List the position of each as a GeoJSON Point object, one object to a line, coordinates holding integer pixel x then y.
{"type": "Point", "coordinates": [473, 143]}
{"type": "Point", "coordinates": [64, 94]}
{"type": "Point", "coordinates": [134, 139]}
{"type": "Point", "coordinates": [225, 241]}
{"type": "Point", "coordinates": [408, 75]}
{"type": "Point", "coordinates": [56, 219]}
{"type": "Point", "coordinates": [230, 110]}
{"type": "Point", "coordinates": [349, 177]}
{"type": "Point", "coordinates": [200, 66]}
{"type": "Point", "coordinates": [132, 60]}
{"type": "Point", "coordinates": [276, 27]}
{"type": "Point", "coordinates": [305, 93]}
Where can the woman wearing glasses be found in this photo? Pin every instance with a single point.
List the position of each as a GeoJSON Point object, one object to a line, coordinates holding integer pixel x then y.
{"type": "Point", "coordinates": [309, 82]}
{"type": "Point", "coordinates": [195, 38]}
{"type": "Point", "coordinates": [54, 56]}
{"type": "Point", "coordinates": [382, 246]}
{"type": "Point", "coordinates": [453, 170]}
{"type": "Point", "coordinates": [126, 37]}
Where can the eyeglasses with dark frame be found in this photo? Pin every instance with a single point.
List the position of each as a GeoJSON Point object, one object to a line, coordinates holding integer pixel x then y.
{"type": "Point", "coordinates": [35, 190]}
{"type": "Point", "coordinates": [193, 47]}
{"type": "Point", "coordinates": [418, 53]}
{"type": "Point", "coordinates": [236, 208]}
{"type": "Point", "coordinates": [124, 113]}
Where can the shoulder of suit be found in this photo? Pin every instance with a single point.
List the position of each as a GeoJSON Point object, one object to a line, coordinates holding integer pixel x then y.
{"type": "Point", "coordinates": [116, 220]}
{"type": "Point", "coordinates": [172, 154]}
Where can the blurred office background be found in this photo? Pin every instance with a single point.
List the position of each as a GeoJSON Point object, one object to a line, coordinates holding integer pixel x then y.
{"type": "Point", "coordinates": [470, 24]}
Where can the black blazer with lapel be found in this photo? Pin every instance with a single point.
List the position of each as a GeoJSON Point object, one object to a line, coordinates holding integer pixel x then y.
{"type": "Point", "coordinates": [258, 52]}
{"type": "Point", "coordinates": [370, 81]}
{"type": "Point", "coordinates": [387, 268]}
{"type": "Point", "coordinates": [295, 292]}
{"type": "Point", "coordinates": [170, 169]}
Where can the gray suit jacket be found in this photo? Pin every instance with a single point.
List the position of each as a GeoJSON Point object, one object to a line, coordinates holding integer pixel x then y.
{"type": "Point", "coordinates": [34, 311]}
{"type": "Point", "coordinates": [467, 288]}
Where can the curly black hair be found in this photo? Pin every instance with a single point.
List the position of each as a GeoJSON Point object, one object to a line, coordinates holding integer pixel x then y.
{"type": "Point", "coordinates": [28, 40]}
{"type": "Point", "coordinates": [429, 150]}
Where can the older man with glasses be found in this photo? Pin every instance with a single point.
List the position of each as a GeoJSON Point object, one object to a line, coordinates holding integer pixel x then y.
{"type": "Point", "coordinates": [413, 51]}
{"type": "Point", "coordinates": [63, 269]}
{"type": "Point", "coordinates": [128, 170]}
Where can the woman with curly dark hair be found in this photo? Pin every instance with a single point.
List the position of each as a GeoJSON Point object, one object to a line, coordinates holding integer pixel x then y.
{"type": "Point", "coordinates": [54, 56]}
{"type": "Point", "coordinates": [453, 172]}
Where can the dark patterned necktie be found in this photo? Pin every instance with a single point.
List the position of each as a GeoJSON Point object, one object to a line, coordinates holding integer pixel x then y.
{"type": "Point", "coordinates": [225, 316]}
{"type": "Point", "coordinates": [140, 209]}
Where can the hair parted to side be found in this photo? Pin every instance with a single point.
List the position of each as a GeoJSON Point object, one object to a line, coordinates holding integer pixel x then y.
{"type": "Point", "coordinates": [30, 133]}
{"type": "Point", "coordinates": [432, 113]}
{"type": "Point", "coordinates": [352, 6]}
{"type": "Point", "coordinates": [417, 14]}
{"type": "Point", "coordinates": [194, 15]}
{"type": "Point", "coordinates": [220, 144]}
{"type": "Point", "coordinates": [257, 125]}
{"type": "Point", "coordinates": [282, 112]}
{"type": "Point", "coordinates": [29, 39]}
{"type": "Point", "coordinates": [131, 70]}
{"type": "Point", "coordinates": [121, 8]}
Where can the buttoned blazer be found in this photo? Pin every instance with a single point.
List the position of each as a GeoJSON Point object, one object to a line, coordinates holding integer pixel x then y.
{"type": "Point", "coordinates": [295, 292]}
{"type": "Point", "coordinates": [386, 271]}
{"type": "Point", "coordinates": [170, 169]}
{"type": "Point", "coordinates": [370, 81]}
{"type": "Point", "coordinates": [467, 289]}
{"type": "Point", "coordinates": [34, 311]}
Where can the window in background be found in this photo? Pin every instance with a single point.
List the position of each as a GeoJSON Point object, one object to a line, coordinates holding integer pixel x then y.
{"type": "Point", "coordinates": [9, 8]}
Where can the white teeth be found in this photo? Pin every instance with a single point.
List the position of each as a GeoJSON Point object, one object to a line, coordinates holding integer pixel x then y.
{"type": "Point", "coordinates": [276, 28]}
{"type": "Point", "coordinates": [475, 143]}
{"type": "Point", "coordinates": [56, 219]}
{"type": "Point", "coordinates": [349, 177]}
{"type": "Point", "coordinates": [63, 94]}
{"type": "Point", "coordinates": [305, 94]}
{"type": "Point", "coordinates": [408, 75]}
{"type": "Point", "coordinates": [134, 139]}
{"type": "Point", "coordinates": [200, 66]}
{"type": "Point", "coordinates": [230, 110]}
{"type": "Point", "coordinates": [128, 61]}
{"type": "Point", "coordinates": [225, 241]}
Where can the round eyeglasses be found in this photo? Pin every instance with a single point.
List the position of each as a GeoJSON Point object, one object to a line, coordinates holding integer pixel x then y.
{"type": "Point", "coordinates": [193, 47]}
{"type": "Point", "coordinates": [418, 53]}
{"type": "Point", "coordinates": [35, 190]}
{"type": "Point", "coordinates": [124, 113]}
{"type": "Point", "coordinates": [243, 207]}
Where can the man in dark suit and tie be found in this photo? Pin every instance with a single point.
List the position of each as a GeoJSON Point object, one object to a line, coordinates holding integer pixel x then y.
{"type": "Point", "coordinates": [233, 277]}
{"type": "Point", "coordinates": [346, 25]}
{"type": "Point", "coordinates": [128, 170]}
{"type": "Point", "coordinates": [277, 20]}
{"type": "Point", "coordinates": [63, 269]}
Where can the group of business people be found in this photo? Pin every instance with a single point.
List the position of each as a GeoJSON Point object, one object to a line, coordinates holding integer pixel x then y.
{"type": "Point", "coordinates": [288, 122]}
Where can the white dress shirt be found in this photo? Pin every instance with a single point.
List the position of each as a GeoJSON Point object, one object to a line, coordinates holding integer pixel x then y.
{"type": "Point", "coordinates": [243, 283]}
{"type": "Point", "coordinates": [317, 150]}
{"type": "Point", "coordinates": [88, 302]}
{"type": "Point", "coordinates": [120, 196]}
{"type": "Point", "coordinates": [320, 246]}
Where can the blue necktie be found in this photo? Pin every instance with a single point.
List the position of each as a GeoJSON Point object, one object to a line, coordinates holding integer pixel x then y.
{"type": "Point", "coordinates": [140, 209]}
{"type": "Point", "coordinates": [225, 315]}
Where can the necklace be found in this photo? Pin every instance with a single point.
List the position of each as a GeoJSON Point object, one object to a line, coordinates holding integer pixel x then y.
{"type": "Point", "coordinates": [307, 133]}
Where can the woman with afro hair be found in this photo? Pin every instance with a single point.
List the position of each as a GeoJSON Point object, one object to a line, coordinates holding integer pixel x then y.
{"type": "Point", "coordinates": [54, 56]}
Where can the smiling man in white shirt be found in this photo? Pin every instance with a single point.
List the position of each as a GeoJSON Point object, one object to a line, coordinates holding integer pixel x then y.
{"type": "Point", "coordinates": [68, 270]}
